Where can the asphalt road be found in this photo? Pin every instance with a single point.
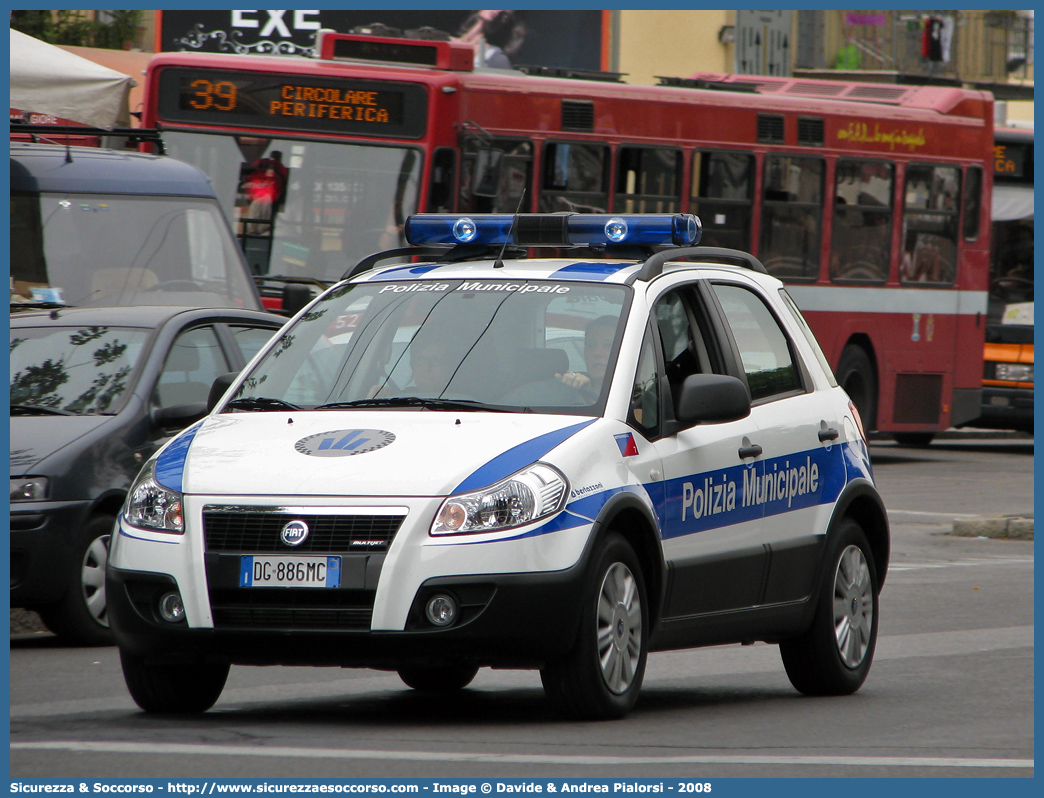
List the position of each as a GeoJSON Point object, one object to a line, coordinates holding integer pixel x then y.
{"type": "Point", "coordinates": [950, 693]}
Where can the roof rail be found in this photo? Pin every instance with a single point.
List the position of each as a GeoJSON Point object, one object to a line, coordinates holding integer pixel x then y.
{"type": "Point", "coordinates": [568, 72]}
{"type": "Point", "coordinates": [134, 135]}
{"type": "Point", "coordinates": [703, 83]}
{"type": "Point", "coordinates": [653, 266]}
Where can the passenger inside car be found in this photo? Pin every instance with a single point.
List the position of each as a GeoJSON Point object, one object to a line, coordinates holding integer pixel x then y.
{"type": "Point", "coordinates": [598, 344]}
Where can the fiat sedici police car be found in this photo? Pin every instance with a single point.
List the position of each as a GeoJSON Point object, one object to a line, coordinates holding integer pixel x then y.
{"type": "Point", "coordinates": [477, 458]}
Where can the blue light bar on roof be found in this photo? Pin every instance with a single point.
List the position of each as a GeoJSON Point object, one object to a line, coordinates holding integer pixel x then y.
{"type": "Point", "coordinates": [555, 229]}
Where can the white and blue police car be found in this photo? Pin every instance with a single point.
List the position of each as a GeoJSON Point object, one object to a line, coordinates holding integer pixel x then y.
{"type": "Point", "coordinates": [475, 458]}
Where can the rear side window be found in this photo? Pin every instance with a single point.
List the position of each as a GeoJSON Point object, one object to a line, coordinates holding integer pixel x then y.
{"type": "Point", "coordinates": [764, 349]}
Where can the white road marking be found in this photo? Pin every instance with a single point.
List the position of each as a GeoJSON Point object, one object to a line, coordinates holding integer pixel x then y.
{"type": "Point", "coordinates": [168, 749]}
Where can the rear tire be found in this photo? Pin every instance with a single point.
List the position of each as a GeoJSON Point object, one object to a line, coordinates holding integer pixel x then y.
{"type": "Point", "coordinates": [834, 656]}
{"type": "Point", "coordinates": [918, 439]}
{"type": "Point", "coordinates": [601, 676]}
{"type": "Point", "coordinates": [855, 373]}
{"type": "Point", "coordinates": [81, 618]}
{"type": "Point", "coordinates": [184, 688]}
{"type": "Point", "coordinates": [438, 678]}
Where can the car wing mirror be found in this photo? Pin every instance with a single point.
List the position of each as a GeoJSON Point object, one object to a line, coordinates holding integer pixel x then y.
{"type": "Point", "coordinates": [219, 387]}
{"type": "Point", "coordinates": [178, 416]}
{"type": "Point", "coordinates": [710, 399]}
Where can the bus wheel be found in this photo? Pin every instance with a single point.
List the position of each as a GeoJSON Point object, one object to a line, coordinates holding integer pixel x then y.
{"type": "Point", "coordinates": [913, 438]}
{"type": "Point", "coordinates": [181, 688]}
{"type": "Point", "coordinates": [601, 676]}
{"type": "Point", "coordinates": [833, 657]}
{"type": "Point", "coordinates": [438, 678]}
{"type": "Point", "coordinates": [855, 373]}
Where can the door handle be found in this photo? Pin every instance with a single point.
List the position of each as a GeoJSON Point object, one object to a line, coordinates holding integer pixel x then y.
{"type": "Point", "coordinates": [749, 451]}
{"type": "Point", "coordinates": [828, 435]}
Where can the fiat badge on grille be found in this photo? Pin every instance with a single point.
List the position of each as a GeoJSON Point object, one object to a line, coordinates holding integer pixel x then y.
{"type": "Point", "coordinates": [294, 533]}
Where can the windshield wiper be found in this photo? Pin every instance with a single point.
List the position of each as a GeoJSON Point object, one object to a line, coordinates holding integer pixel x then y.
{"type": "Point", "coordinates": [38, 410]}
{"type": "Point", "coordinates": [260, 403]}
{"type": "Point", "coordinates": [413, 401]}
{"type": "Point", "coordinates": [38, 304]}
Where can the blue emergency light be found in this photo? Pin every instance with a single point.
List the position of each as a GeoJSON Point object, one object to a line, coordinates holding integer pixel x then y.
{"type": "Point", "coordinates": [555, 229]}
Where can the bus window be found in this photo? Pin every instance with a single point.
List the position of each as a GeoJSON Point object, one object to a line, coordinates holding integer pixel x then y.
{"type": "Point", "coordinates": [342, 201]}
{"type": "Point", "coordinates": [861, 241]}
{"type": "Point", "coordinates": [648, 181]}
{"type": "Point", "coordinates": [930, 224]}
{"type": "Point", "coordinates": [440, 191]}
{"type": "Point", "coordinates": [972, 203]}
{"type": "Point", "coordinates": [722, 196]}
{"type": "Point", "coordinates": [792, 216]}
{"type": "Point", "coordinates": [513, 175]}
{"type": "Point", "coordinates": [576, 178]}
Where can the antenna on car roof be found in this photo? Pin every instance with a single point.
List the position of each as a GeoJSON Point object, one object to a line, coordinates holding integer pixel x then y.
{"type": "Point", "coordinates": [499, 262]}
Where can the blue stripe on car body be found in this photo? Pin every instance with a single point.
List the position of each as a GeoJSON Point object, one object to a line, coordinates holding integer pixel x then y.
{"type": "Point", "coordinates": [518, 457]}
{"type": "Point", "coordinates": [170, 465]}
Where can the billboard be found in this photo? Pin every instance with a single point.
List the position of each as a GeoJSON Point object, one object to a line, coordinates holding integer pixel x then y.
{"type": "Point", "coordinates": [559, 39]}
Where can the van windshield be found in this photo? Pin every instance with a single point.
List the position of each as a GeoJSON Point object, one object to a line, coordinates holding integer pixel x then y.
{"type": "Point", "coordinates": [115, 249]}
{"type": "Point", "coordinates": [539, 345]}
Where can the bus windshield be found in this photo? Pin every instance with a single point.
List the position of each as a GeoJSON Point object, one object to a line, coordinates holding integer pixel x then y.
{"type": "Point", "coordinates": [122, 249]}
{"type": "Point", "coordinates": [307, 208]}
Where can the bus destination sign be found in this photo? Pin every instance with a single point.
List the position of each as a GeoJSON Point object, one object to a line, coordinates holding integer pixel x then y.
{"type": "Point", "coordinates": [287, 102]}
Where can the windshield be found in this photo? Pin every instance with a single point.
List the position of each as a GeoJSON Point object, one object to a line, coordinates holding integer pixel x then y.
{"type": "Point", "coordinates": [119, 249]}
{"type": "Point", "coordinates": [306, 208]}
{"type": "Point", "coordinates": [516, 346]}
{"type": "Point", "coordinates": [83, 371]}
{"type": "Point", "coordinates": [1011, 273]}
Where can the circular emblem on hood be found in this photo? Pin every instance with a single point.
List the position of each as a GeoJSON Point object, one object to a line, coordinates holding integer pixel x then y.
{"type": "Point", "coordinates": [294, 533]}
{"type": "Point", "coordinates": [344, 442]}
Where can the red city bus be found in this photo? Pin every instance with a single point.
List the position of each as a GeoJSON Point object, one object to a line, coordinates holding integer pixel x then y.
{"type": "Point", "coordinates": [872, 201]}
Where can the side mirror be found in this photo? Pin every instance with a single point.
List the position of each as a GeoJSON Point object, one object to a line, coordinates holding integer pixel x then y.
{"type": "Point", "coordinates": [218, 389]}
{"type": "Point", "coordinates": [178, 416]}
{"type": "Point", "coordinates": [295, 297]}
{"type": "Point", "coordinates": [711, 398]}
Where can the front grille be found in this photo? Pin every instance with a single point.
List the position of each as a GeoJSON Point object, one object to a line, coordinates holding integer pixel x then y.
{"type": "Point", "coordinates": [287, 608]}
{"type": "Point", "coordinates": [257, 531]}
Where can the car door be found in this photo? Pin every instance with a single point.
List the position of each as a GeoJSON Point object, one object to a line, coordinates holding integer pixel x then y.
{"type": "Point", "coordinates": [798, 432]}
{"type": "Point", "coordinates": [711, 535]}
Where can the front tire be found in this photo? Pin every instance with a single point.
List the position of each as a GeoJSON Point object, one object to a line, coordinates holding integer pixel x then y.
{"type": "Point", "coordinates": [601, 676]}
{"type": "Point", "coordinates": [833, 657]}
{"type": "Point", "coordinates": [184, 688]}
{"type": "Point", "coordinates": [81, 618]}
{"type": "Point", "coordinates": [438, 678]}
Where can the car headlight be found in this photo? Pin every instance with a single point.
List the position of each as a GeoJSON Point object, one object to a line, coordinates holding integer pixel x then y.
{"type": "Point", "coordinates": [530, 495]}
{"type": "Point", "coordinates": [29, 489]}
{"type": "Point", "coordinates": [152, 506]}
{"type": "Point", "coordinates": [1014, 372]}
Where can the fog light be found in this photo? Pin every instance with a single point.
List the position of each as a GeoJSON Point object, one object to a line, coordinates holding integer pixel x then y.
{"type": "Point", "coordinates": [171, 608]}
{"type": "Point", "coordinates": [441, 610]}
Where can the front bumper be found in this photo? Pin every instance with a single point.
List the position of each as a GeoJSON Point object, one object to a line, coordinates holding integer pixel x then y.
{"type": "Point", "coordinates": [507, 620]}
{"type": "Point", "coordinates": [1006, 408]}
{"type": "Point", "coordinates": [518, 595]}
{"type": "Point", "coordinates": [43, 545]}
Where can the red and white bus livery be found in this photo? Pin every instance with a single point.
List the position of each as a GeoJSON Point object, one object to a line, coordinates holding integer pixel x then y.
{"type": "Point", "coordinates": [872, 201]}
